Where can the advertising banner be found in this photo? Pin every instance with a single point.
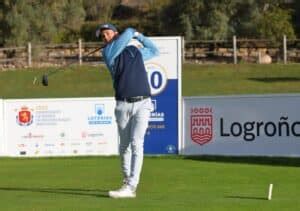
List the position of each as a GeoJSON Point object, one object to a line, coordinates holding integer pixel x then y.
{"type": "Point", "coordinates": [164, 74]}
{"type": "Point", "coordinates": [267, 125]}
{"type": "Point", "coordinates": [61, 127]}
{"type": "Point", "coordinates": [2, 151]}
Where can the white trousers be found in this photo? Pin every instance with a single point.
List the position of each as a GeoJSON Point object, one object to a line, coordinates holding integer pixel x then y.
{"type": "Point", "coordinates": [132, 120]}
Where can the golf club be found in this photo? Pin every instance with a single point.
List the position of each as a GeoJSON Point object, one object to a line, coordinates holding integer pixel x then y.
{"type": "Point", "coordinates": [45, 76]}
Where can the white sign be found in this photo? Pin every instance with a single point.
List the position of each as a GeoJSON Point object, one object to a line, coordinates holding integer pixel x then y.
{"type": "Point", "coordinates": [242, 125]}
{"type": "Point", "coordinates": [60, 127]}
{"type": "Point", "coordinates": [2, 150]}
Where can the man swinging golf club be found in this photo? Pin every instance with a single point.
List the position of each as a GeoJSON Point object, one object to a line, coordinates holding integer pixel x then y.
{"type": "Point", "coordinates": [125, 61]}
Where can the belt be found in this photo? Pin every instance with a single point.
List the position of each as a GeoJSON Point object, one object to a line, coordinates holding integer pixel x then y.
{"type": "Point", "coordinates": [132, 99]}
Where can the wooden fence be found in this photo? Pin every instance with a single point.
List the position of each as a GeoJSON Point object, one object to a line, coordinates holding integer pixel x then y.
{"type": "Point", "coordinates": [200, 51]}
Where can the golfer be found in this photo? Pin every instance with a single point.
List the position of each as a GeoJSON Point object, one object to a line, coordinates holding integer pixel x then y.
{"type": "Point", "coordinates": [125, 61]}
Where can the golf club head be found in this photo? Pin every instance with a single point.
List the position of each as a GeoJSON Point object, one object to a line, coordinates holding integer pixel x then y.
{"type": "Point", "coordinates": [45, 80]}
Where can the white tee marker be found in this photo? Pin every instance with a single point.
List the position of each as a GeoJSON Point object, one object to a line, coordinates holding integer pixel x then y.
{"type": "Point", "coordinates": [270, 191]}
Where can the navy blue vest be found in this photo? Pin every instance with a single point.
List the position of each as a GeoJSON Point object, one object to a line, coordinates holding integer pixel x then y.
{"type": "Point", "coordinates": [130, 79]}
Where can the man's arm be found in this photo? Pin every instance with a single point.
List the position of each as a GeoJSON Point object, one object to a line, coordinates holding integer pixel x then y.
{"type": "Point", "coordinates": [114, 48]}
{"type": "Point", "coordinates": [149, 50]}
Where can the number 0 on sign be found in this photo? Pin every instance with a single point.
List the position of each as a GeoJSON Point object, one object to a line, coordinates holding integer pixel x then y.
{"type": "Point", "coordinates": [157, 77]}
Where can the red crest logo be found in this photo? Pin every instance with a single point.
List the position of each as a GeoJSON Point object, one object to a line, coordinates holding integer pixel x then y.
{"type": "Point", "coordinates": [24, 117]}
{"type": "Point", "coordinates": [201, 125]}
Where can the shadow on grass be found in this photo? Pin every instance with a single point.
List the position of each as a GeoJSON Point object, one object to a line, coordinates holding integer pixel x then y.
{"type": "Point", "coordinates": [69, 191]}
{"type": "Point", "coordinates": [275, 79]}
{"type": "Point", "coordinates": [246, 197]}
{"type": "Point", "coordinates": [259, 160]}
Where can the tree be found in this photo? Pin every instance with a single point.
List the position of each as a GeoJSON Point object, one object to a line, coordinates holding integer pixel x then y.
{"type": "Point", "coordinates": [296, 16]}
{"type": "Point", "coordinates": [41, 21]}
{"type": "Point", "coordinates": [274, 23]}
{"type": "Point", "coordinates": [179, 16]}
{"type": "Point", "coordinates": [186, 26]}
{"type": "Point", "coordinates": [214, 20]}
{"type": "Point", "coordinates": [100, 10]}
{"type": "Point", "coordinates": [3, 24]}
{"type": "Point", "coordinates": [73, 19]}
{"type": "Point", "coordinates": [205, 19]}
{"type": "Point", "coordinates": [46, 21]}
{"type": "Point", "coordinates": [244, 18]}
{"type": "Point", "coordinates": [262, 19]}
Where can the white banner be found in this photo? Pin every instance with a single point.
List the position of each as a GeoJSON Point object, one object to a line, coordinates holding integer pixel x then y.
{"type": "Point", "coordinates": [61, 127]}
{"type": "Point", "coordinates": [2, 151]}
{"type": "Point", "coordinates": [242, 125]}
{"type": "Point", "coordinates": [169, 60]}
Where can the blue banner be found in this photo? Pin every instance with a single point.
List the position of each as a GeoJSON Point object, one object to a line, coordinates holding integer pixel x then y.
{"type": "Point", "coordinates": [164, 75]}
{"type": "Point", "coordinates": [162, 133]}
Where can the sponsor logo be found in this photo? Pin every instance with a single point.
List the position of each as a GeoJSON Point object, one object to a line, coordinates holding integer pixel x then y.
{"type": "Point", "coordinates": [99, 116]}
{"type": "Point", "coordinates": [156, 116]}
{"type": "Point", "coordinates": [33, 136]}
{"type": "Point", "coordinates": [50, 117]}
{"type": "Point", "coordinates": [201, 121]}
{"type": "Point", "coordinates": [101, 142]}
{"type": "Point", "coordinates": [89, 143]}
{"type": "Point", "coordinates": [22, 152]}
{"type": "Point", "coordinates": [62, 134]}
{"type": "Point", "coordinates": [99, 109]}
{"type": "Point", "coordinates": [49, 145]}
{"type": "Point", "coordinates": [21, 145]}
{"type": "Point", "coordinates": [157, 119]}
{"type": "Point", "coordinates": [171, 149]}
{"type": "Point", "coordinates": [24, 116]}
{"type": "Point", "coordinates": [85, 134]}
{"type": "Point", "coordinates": [249, 130]}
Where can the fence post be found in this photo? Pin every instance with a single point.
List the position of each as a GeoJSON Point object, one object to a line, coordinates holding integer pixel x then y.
{"type": "Point", "coordinates": [284, 50]}
{"type": "Point", "coordinates": [234, 50]}
{"type": "Point", "coordinates": [80, 53]}
{"type": "Point", "coordinates": [29, 54]}
{"type": "Point", "coordinates": [183, 49]}
{"type": "Point", "coordinates": [259, 57]}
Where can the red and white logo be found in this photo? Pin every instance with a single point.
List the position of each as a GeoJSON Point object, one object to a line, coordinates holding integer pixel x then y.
{"type": "Point", "coordinates": [24, 116]}
{"type": "Point", "coordinates": [201, 125]}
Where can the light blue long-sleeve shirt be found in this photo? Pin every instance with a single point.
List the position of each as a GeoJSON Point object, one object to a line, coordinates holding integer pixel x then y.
{"type": "Point", "coordinates": [115, 47]}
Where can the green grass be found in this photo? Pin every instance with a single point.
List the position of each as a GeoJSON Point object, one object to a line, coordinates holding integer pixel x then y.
{"type": "Point", "coordinates": [83, 81]}
{"type": "Point", "coordinates": [203, 80]}
{"type": "Point", "coordinates": [197, 80]}
{"type": "Point", "coordinates": [169, 183]}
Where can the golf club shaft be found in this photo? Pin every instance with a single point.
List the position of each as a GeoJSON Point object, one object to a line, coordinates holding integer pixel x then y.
{"type": "Point", "coordinates": [68, 64]}
{"type": "Point", "coordinates": [73, 62]}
